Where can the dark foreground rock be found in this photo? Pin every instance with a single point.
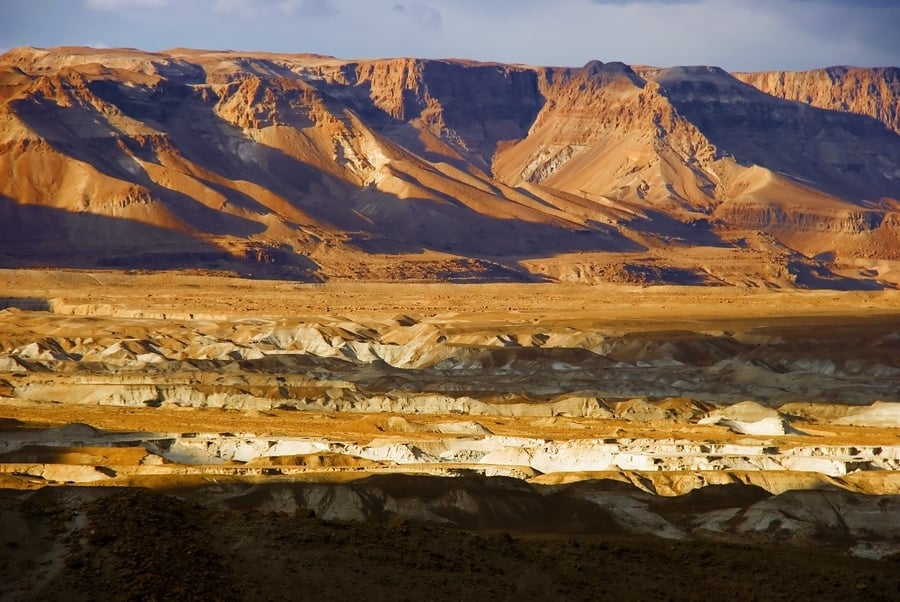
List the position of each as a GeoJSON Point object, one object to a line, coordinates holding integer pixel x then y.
{"type": "Point", "coordinates": [137, 544]}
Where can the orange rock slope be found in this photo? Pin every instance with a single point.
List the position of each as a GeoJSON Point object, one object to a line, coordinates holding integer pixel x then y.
{"type": "Point", "coordinates": [315, 168]}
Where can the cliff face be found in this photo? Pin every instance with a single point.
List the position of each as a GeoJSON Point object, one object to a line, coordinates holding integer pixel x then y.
{"type": "Point", "coordinates": [469, 107]}
{"type": "Point", "coordinates": [874, 92]}
{"type": "Point", "coordinates": [840, 153]}
{"type": "Point", "coordinates": [610, 137]}
{"type": "Point", "coordinates": [307, 166]}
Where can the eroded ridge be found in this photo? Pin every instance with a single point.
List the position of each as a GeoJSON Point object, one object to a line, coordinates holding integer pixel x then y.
{"type": "Point", "coordinates": [717, 415]}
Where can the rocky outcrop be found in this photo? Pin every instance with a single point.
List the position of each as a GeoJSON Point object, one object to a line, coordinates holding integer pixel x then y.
{"type": "Point", "coordinates": [309, 167]}
{"type": "Point", "coordinates": [791, 138]}
{"type": "Point", "coordinates": [671, 489]}
{"type": "Point", "coordinates": [874, 92]}
{"type": "Point", "coordinates": [367, 366]}
{"type": "Point", "coordinates": [474, 106]}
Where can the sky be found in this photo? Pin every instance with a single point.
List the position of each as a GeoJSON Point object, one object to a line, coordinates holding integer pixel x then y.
{"type": "Point", "coordinates": [738, 35]}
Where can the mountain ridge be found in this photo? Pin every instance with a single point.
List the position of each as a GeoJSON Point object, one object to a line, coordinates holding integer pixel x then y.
{"type": "Point", "coordinates": [310, 167]}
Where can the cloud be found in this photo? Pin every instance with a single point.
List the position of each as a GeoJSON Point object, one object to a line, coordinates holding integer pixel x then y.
{"type": "Point", "coordinates": [734, 34]}
{"type": "Point", "coordinates": [124, 4]}
{"type": "Point", "coordinates": [252, 9]}
{"type": "Point", "coordinates": [856, 3]}
{"type": "Point", "coordinates": [628, 2]}
{"type": "Point", "coordinates": [421, 14]}
{"type": "Point", "coordinates": [241, 8]}
{"type": "Point", "coordinates": [313, 8]}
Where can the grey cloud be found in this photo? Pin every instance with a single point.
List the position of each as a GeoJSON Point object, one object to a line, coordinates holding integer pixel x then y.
{"type": "Point", "coordinates": [856, 3]}
{"type": "Point", "coordinates": [275, 8]}
{"type": "Point", "coordinates": [869, 25]}
{"type": "Point", "coordinates": [124, 4]}
{"type": "Point", "coordinates": [629, 2]}
{"type": "Point", "coordinates": [317, 8]}
{"type": "Point", "coordinates": [421, 14]}
{"type": "Point", "coordinates": [734, 34]}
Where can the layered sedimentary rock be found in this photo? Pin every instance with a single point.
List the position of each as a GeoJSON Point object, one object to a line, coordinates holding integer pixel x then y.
{"type": "Point", "coordinates": [677, 412]}
{"type": "Point", "coordinates": [314, 168]}
{"type": "Point", "coordinates": [866, 91]}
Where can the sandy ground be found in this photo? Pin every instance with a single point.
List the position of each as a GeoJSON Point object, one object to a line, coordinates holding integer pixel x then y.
{"type": "Point", "coordinates": [178, 294]}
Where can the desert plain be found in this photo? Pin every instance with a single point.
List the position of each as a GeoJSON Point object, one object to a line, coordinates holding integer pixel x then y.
{"type": "Point", "coordinates": [205, 436]}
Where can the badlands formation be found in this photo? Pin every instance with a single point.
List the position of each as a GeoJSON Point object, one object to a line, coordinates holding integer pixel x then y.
{"type": "Point", "coordinates": [700, 430]}
{"type": "Point", "coordinates": [282, 323]}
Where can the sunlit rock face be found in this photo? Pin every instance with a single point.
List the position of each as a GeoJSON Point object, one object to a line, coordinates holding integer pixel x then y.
{"type": "Point", "coordinates": [865, 91]}
{"type": "Point", "coordinates": [315, 168]}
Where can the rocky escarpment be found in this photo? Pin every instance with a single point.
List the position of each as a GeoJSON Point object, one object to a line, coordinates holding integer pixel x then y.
{"type": "Point", "coordinates": [608, 135]}
{"type": "Point", "coordinates": [470, 107]}
{"type": "Point", "coordinates": [787, 137]}
{"type": "Point", "coordinates": [311, 167]}
{"type": "Point", "coordinates": [874, 92]}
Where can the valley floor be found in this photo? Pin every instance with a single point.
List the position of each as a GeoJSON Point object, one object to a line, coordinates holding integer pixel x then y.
{"type": "Point", "coordinates": [171, 434]}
